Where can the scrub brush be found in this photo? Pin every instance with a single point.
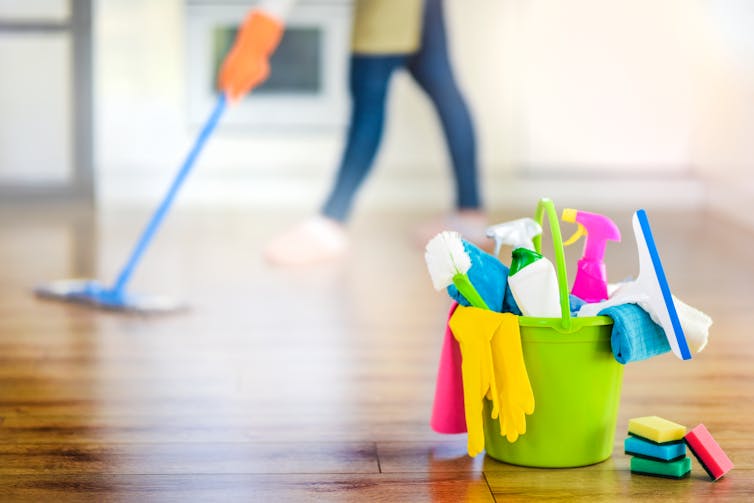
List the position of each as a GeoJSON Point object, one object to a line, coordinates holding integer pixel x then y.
{"type": "Point", "coordinates": [448, 263]}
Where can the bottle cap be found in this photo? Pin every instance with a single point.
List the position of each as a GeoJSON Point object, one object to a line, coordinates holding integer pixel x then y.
{"type": "Point", "coordinates": [521, 258]}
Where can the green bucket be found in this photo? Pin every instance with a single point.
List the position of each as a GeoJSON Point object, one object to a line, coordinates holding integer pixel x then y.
{"type": "Point", "coordinates": [575, 380]}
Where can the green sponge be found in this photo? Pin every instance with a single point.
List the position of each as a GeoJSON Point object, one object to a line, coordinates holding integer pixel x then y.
{"type": "Point", "coordinates": [656, 429]}
{"type": "Point", "coordinates": [673, 469]}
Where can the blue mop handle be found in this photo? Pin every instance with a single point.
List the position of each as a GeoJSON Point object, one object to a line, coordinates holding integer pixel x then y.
{"type": "Point", "coordinates": [159, 215]}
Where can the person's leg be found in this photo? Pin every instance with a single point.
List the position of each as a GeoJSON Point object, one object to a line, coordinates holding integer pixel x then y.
{"type": "Point", "coordinates": [323, 237]}
{"type": "Point", "coordinates": [431, 69]}
{"type": "Point", "coordinates": [369, 79]}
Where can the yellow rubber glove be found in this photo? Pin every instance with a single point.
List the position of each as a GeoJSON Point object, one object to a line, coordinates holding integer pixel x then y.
{"type": "Point", "coordinates": [483, 336]}
{"type": "Point", "coordinates": [516, 395]}
{"type": "Point", "coordinates": [474, 328]}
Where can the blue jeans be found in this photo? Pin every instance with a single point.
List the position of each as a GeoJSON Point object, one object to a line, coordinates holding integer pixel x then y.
{"type": "Point", "coordinates": [368, 81]}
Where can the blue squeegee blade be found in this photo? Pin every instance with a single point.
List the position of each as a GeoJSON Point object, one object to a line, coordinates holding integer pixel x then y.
{"type": "Point", "coordinates": [664, 287]}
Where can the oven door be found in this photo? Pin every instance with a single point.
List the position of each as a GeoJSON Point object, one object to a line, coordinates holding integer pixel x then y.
{"type": "Point", "coordinates": [307, 84]}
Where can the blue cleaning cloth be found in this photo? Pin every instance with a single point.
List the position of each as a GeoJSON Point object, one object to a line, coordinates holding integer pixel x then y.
{"type": "Point", "coordinates": [661, 452]}
{"type": "Point", "coordinates": [635, 336]}
{"type": "Point", "coordinates": [490, 278]}
{"type": "Point", "coordinates": [575, 303]}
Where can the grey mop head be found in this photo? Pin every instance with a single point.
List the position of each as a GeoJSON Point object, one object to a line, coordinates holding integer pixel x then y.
{"type": "Point", "coordinates": [92, 293]}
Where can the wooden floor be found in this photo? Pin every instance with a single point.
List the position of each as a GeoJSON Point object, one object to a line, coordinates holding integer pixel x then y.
{"type": "Point", "coordinates": [313, 385]}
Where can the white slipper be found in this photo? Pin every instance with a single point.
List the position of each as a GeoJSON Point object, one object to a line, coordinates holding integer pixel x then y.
{"type": "Point", "coordinates": [317, 239]}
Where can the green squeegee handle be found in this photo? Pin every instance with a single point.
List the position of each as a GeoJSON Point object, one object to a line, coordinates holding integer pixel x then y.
{"type": "Point", "coordinates": [167, 201]}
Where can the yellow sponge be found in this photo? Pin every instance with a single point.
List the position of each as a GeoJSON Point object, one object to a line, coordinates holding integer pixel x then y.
{"type": "Point", "coordinates": [656, 429]}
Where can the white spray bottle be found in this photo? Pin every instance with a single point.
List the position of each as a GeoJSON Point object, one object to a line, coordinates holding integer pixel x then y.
{"type": "Point", "coordinates": [532, 278]}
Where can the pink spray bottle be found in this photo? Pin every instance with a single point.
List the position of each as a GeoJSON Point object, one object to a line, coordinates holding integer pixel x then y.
{"type": "Point", "coordinates": [591, 277]}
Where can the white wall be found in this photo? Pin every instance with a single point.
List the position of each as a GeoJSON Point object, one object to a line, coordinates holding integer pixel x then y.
{"type": "Point", "coordinates": [606, 84]}
{"type": "Point", "coordinates": [723, 136]}
{"type": "Point", "coordinates": [582, 98]}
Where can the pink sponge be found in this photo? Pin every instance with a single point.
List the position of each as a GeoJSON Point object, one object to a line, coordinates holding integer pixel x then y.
{"type": "Point", "coordinates": [708, 452]}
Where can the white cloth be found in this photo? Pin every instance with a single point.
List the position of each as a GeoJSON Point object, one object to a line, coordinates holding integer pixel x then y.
{"type": "Point", "coordinates": [695, 324]}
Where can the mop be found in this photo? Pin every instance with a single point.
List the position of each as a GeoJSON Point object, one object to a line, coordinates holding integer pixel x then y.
{"type": "Point", "coordinates": [116, 297]}
{"type": "Point", "coordinates": [650, 288]}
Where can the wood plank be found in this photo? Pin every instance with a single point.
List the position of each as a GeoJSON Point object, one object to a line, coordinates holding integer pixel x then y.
{"type": "Point", "coordinates": [292, 488]}
{"type": "Point", "coordinates": [195, 458]}
{"type": "Point", "coordinates": [439, 456]}
{"type": "Point", "coordinates": [612, 481]}
{"type": "Point", "coordinates": [197, 428]}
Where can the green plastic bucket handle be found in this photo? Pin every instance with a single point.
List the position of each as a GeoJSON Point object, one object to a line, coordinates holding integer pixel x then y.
{"type": "Point", "coordinates": [546, 205]}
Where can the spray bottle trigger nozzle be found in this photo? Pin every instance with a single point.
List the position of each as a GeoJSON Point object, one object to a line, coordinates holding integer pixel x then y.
{"type": "Point", "coordinates": [581, 231]}
{"type": "Point", "coordinates": [569, 215]}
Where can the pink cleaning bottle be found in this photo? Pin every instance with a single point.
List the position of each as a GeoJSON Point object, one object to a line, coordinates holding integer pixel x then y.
{"type": "Point", "coordinates": [591, 276]}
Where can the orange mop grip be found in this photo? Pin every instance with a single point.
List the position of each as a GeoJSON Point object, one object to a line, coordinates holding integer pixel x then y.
{"type": "Point", "coordinates": [247, 63]}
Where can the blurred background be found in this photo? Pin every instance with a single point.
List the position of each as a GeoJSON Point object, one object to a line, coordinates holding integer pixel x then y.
{"type": "Point", "coordinates": [625, 103]}
{"type": "Point", "coordinates": [297, 385]}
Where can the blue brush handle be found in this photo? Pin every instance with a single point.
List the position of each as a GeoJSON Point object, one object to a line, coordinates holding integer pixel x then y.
{"type": "Point", "coordinates": [167, 201]}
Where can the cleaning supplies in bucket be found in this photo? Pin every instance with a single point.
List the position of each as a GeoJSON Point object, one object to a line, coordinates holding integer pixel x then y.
{"type": "Point", "coordinates": [448, 264]}
{"type": "Point", "coordinates": [479, 381]}
{"type": "Point", "coordinates": [447, 407]}
{"type": "Point", "coordinates": [533, 283]}
{"type": "Point", "coordinates": [562, 361]}
{"type": "Point", "coordinates": [493, 369]}
{"type": "Point", "coordinates": [650, 287]}
{"type": "Point", "coordinates": [590, 284]}
{"type": "Point", "coordinates": [490, 278]}
{"type": "Point", "coordinates": [556, 357]}
{"type": "Point", "coordinates": [531, 278]}
{"type": "Point", "coordinates": [695, 323]}
{"type": "Point", "coordinates": [492, 365]}
{"type": "Point", "coordinates": [635, 336]}
{"type": "Point", "coordinates": [575, 380]}
{"type": "Point", "coordinates": [517, 233]}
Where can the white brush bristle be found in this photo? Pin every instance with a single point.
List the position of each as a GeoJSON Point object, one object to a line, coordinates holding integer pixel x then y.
{"type": "Point", "coordinates": [445, 258]}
